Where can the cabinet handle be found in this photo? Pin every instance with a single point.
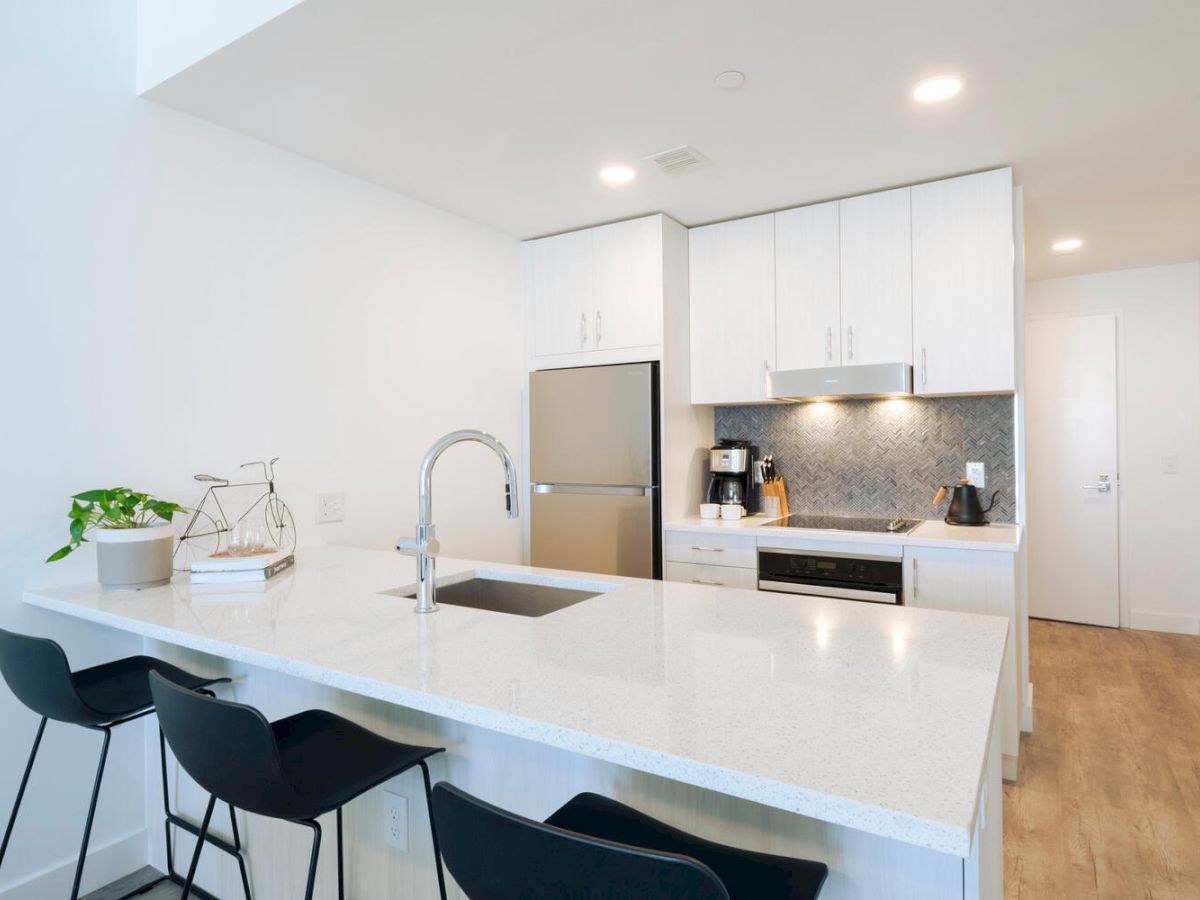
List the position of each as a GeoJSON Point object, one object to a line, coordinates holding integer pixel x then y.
{"type": "Point", "coordinates": [924, 367]}
{"type": "Point", "coordinates": [599, 328]}
{"type": "Point", "coordinates": [829, 344]}
{"type": "Point", "coordinates": [583, 329]}
{"type": "Point", "coordinates": [916, 580]}
{"type": "Point", "coordinates": [711, 549]}
{"type": "Point", "coordinates": [713, 583]}
{"type": "Point", "coordinates": [850, 341]}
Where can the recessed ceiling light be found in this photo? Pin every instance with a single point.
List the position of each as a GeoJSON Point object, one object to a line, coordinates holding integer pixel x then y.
{"type": "Point", "coordinates": [1067, 245]}
{"type": "Point", "coordinates": [617, 174]}
{"type": "Point", "coordinates": [731, 80]}
{"type": "Point", "coordinates": [935, 90]}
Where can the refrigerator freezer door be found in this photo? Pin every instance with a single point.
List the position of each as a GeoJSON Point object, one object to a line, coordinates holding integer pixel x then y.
{"type": "Point", "coordinates": [611, 534]}
{"type": "Point", "coordinates": [593, 425]}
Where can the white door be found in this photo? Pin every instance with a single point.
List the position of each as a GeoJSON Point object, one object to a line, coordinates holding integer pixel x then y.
{"type": "Point", "coordinates": [807, 288]}
{"type": "Point", "coordinates": [558, 275]}
{"type": "Point", "coordinates": [627, 263]}
{"type": "Point", "coordinates": [732, 285]}
{"type": "Point", "coordinates": [1071, 452]}
{"type": "Point", "coordinates": [876, 276]}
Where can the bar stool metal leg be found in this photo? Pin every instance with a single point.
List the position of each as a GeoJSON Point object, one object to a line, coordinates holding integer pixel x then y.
{"type": "Point", "coordinates": [87, 827]}
{"type": "Point", "coordinates": [341, 870]}
{"type": "Point", "coordinates": [191, 875]}
{"type": "Point", "coordinates": [312, 863]}
{"type": "Point", "coordinates": [12, 819]}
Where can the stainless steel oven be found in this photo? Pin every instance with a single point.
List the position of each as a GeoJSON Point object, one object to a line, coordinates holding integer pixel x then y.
{"type": "Point", "coordinates": [876, 579]}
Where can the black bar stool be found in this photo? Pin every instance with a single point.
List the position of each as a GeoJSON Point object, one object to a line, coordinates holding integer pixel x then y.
{"type": "Point", "coordinates": [295, 769]}
{"type": "Point", "coordinates": [99, 698]}
{"type": "Point", "coordinates": [594, 847]}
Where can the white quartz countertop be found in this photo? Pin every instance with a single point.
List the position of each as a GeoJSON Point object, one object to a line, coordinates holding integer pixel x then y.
{"type": "Point", "coordinates": [867, 716]}
{"type": "Point", "coordinates": [930, 533]}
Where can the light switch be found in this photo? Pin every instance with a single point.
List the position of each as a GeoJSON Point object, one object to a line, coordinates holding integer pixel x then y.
{"type": "Point", "coordinates": [976, 474]}
{"type": "Point", "coordinates": [1170, 464]}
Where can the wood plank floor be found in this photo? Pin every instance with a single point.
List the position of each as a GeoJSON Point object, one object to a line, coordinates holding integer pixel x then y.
{"type": "Point", "coordinates": [1108, 799]}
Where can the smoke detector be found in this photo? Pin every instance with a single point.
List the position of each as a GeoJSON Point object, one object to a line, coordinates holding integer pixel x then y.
{"type": "Point", "coordinates": [678, 160]}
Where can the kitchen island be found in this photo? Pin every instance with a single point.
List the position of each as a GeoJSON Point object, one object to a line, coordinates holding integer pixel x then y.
{"type": "Point", "coordinates": [861, 735]}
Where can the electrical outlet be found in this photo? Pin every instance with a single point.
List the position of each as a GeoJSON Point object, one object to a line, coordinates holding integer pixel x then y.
{"type": "Point", "coordinates": [395, 821]}
{"type": "Point", "coordinates": [1170, 464]}
{"type": "Point", "coordinates": [331, 506]}
{"type": "Point", "coordinates": [976, 474]}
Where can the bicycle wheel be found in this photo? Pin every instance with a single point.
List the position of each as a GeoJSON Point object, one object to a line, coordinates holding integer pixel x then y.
{"type": "Point", "coordinates": [280, 525]}
{"type": "Point", "coordinates": [198, 536]}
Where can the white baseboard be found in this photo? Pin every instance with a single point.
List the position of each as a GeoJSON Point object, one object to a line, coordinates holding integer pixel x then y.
{"type": "Point", "coordinates": [105, 863]}
{"type": "Point", "coordinates": [1172, 622]}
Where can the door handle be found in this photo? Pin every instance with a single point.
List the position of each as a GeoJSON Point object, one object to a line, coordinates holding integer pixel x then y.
{"type": "Point", "coordinates": [924, 367]}
{"type": "Point", "coordinates": [599, 328]}
{"type": "Point", "coordinates": [850, 341]}
{"type": "Point", "coordinates": [829, 344]}
{"type": "Point", "coordinates": [1104, 487]}
{"type": "Point", "coordinates": [583, 329]}
{"type": "Point", "coordinates": [916, 579]}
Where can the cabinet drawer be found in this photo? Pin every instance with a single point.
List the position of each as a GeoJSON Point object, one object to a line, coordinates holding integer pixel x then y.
{"type": "Point", "coordinates": [740, 550]}
{"type": "Point", "coordinates": [718, 576]}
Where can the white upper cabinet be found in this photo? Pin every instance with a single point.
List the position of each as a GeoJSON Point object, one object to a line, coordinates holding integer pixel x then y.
{"type": "Point", "coordinates": [557, 272]}
{"type": "Point", "coordinates": [963, 323]}
{"type": "Point", "coordinates": [596, 289]}
{"type": "Point", "coordinates": [808, 327]}
{"type": "Point", "coordinates": [876, 278]}
{"type": "Point", "coordinates": [627, 264]}
{"type": "Point", "coordinates": [732, 283]}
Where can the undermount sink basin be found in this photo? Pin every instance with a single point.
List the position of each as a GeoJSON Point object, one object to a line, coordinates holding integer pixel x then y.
{"type": "Point", "coordinates": [516, 598]}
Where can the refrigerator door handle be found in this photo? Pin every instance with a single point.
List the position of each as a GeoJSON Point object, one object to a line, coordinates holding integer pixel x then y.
{"type": "Point", "coordinates": [624, 490]}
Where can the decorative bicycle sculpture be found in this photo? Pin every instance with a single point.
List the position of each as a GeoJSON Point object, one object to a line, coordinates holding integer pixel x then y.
{"type": "Point", "coordinates": [207, 528]}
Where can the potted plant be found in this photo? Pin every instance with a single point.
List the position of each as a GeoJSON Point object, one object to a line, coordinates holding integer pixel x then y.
{"type": "Point", "coordinates": [132, 533]}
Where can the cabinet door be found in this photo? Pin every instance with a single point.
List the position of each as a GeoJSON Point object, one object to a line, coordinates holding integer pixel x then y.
{"type": "Point", "coordinates": [732, 285]}
{"type": "Point", "coordinates": [558, 272]}
{"type": "Point", "coordinates": [807, 288]}
{"type": "Point", "coordinates": [963, 323]}
{"type": "Point", "coordinates": [627, 267]}
{"type": "Point", "coordinates": [972, 581]}
{"type": "Point", "coordinates": [876, 269]}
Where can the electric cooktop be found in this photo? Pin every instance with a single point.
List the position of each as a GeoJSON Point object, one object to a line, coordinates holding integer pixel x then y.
{"type": "Point", "coordinates": [852, 523]}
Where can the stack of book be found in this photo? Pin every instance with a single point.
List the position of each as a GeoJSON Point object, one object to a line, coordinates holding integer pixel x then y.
{"type": "Point", "coordinates": [222, 568]}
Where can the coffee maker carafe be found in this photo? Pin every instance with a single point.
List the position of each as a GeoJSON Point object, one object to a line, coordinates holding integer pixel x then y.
{"type": "Point", "coordinates": [730, 467]}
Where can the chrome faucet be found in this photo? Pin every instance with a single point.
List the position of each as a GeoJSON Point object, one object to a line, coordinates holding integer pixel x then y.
{"type": "Point", "coordinates": [425, 546]}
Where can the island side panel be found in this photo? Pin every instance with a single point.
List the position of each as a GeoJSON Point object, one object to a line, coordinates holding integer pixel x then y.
{"type": "Point", "coordinates": [529, 778]}
{"type": "Point", "coordinates": [983, 872]}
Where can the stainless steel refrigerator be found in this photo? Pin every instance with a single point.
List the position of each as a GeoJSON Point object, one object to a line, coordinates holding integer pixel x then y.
{"type": "Point", "coordinates": [593, 464]}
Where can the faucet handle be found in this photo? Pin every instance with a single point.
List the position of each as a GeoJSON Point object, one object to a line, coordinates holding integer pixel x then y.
{"type": "Point", "coordinates": [424, 544]}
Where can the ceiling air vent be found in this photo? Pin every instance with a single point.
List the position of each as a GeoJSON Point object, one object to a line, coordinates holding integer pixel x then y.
{"type": "Point", "coordinates": [678, 160]}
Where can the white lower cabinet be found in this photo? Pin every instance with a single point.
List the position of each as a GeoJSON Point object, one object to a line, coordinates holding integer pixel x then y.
{"type": "Point", "coordinates": [974, 581]}
{"type": "Point", "coordinates": [717, 576]}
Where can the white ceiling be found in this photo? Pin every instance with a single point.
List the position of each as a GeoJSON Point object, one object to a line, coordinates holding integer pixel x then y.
{"type": "Point", "coordinates": [504, 112]}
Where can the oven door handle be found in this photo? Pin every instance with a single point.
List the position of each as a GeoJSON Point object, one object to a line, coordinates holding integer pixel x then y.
{"type": "Point", "coordinates": [815, 590]}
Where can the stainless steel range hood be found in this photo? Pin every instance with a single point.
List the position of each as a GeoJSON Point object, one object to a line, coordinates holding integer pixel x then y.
{"type": "Point", "coordinates": [841, 382]}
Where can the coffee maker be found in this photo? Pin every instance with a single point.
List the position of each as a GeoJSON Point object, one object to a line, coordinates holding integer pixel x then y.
{"type": "Point", "coordinates": [730, 470]}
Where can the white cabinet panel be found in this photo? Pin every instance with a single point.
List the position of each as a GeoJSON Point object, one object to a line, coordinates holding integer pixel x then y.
{"type": "Point", "coordinates": [972, 581]}
{"type": "Point", "coordinates": [876, 278]}
{"type": "Point", "coordinates": [627, 262]}
{"type": "Point", "coordinates": [963, 326]}
{"type": "Point", "coordinates": [718, 576]}
{"type": "Point", "coordinates": [732, 283]}
{"type": "Point", "coordinates": [807, 287]}
{"type": "Point", "coordinates": [739, 550]}
{"type": "Point", "coordinates": [558, 275]}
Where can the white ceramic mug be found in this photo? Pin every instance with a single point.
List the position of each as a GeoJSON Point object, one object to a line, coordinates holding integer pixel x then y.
{"type": "Point", "coordinates": [710, 510]}
{"type": "Point", "coordinates": [732, 511]}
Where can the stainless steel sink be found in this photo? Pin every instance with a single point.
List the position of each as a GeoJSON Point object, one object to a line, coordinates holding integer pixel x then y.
{"type": "Point", "coordinates": [516, 598]}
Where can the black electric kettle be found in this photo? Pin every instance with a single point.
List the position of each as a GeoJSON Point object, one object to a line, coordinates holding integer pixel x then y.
{"type": "Point", "coordinates": [965, 508]}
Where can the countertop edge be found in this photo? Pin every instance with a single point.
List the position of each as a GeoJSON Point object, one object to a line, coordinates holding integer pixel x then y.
{"type": "Point", "coordinates": [912, 539]}
{"type": "Point", "coordinates": [869, 818]}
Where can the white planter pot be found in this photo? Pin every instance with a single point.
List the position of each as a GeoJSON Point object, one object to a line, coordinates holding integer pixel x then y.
{"type": "Point", "coordinates": [133, 557]}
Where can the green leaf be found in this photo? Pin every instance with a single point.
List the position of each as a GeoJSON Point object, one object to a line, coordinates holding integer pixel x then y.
{"type": "Point", "coordinates": [59, 553]}
{"type": "Point", "coordinates": [76, 531]}
{"type": "Point", "coordinates": [93, 496]}
{"type": "Point", "coordinates": [114, 514]}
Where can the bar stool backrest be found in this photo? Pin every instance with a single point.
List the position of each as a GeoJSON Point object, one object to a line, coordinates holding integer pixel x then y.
{"type": "Point", "coordinates": [38, 673]}
{"type": "Point", "coordinates": [494, 854]}
{"type": "Point", "coordinates": [228, 748]}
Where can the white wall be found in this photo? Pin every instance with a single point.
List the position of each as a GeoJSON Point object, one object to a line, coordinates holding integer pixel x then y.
{"type": "Point", "coordinates": [176, 298]}
{"type": "Point", "coordinates": [1158, 332]}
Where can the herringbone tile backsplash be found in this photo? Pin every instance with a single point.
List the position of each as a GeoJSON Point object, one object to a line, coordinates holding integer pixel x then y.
{"type": "Point", "coordinates": [881, 457]}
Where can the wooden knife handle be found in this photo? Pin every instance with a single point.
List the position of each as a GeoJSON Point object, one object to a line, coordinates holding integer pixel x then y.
{"type": "Point", "coordinates": [940, 495]}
